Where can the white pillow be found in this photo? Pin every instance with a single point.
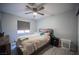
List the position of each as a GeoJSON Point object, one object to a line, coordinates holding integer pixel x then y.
{"type": "Point", "coordinates": [47, 34]}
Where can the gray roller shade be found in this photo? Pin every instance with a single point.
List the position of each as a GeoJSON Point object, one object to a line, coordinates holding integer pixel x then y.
{"type": "Point", "coordinates": [22, 25]}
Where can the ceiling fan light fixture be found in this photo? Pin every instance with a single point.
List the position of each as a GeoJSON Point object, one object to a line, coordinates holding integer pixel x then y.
{"type": "Point", "coordinates": [34, 13]}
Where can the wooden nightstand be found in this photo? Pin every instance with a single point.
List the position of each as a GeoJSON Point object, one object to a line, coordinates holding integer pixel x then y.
{"type": "Point", "coordinates": [5, 47]}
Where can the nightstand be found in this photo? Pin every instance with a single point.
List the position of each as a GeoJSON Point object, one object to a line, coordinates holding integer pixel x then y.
{"type": "Point", "coordinates": [5, 46]}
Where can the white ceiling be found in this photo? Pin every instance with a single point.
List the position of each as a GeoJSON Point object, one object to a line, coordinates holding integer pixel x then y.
{"type": "Point", "coordinates": [19, 9]}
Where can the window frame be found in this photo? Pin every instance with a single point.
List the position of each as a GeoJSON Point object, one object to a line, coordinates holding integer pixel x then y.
{"type": "Point", "coordinates": [23, 31]}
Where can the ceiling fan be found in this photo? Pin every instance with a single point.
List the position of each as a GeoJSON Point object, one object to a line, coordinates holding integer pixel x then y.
{"type": "Point", "coordinates": [35, 8]}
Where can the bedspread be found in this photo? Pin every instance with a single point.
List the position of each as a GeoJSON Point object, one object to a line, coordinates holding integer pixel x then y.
{"type": "Point", "coordinates": [33, 43]}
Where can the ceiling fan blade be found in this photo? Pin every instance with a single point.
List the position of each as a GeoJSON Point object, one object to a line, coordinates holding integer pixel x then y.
{"type": "Point", "coordinates": [32, 4]}
{"type": "Point", "coordinates": [29, 7]}
{"type": "Point", "coordinates": [28, 13]}
{"type": "Point", "coordinates": [40, 13]}
{"type": "Point", "coordinates": [41, 8]}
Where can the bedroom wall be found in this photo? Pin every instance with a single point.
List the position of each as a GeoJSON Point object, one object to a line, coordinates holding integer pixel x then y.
{"type": "Point", "coordinates": [64, 25]}
{"type": "Point", "coordinates": [0, 23]}
{"type": "Point", "coordinates": [78, 34]}
{"type": "Point", "coordinates": [9, 25]}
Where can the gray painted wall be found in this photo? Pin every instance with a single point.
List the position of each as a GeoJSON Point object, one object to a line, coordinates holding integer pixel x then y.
{"type": "Point", "coordinates": [9, 25]}
{"type": "Point", "coordinates": [64, 25]}
{"type": "Point", "coordinates": [78, 34]}
{"type": "Point", "coordinates": [0, 23]}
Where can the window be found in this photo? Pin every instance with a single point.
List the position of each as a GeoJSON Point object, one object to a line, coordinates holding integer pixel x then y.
{"type": "Point", "coordinates": [23, 27]}
{"type": "Point", "coordinates": [23, 31]}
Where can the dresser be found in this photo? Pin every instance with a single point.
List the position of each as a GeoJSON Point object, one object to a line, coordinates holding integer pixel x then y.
{"type": "Point", "coordinates": [5, 46]}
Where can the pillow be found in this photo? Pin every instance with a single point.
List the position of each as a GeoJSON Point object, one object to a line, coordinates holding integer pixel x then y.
{"type": "Point", "coordinates": [19, 42]}
{"type": "Point", "coordinates": [22, 39]}
{"type": "Point", "coordinates": [42, 33]}
{"type": "Point", "coordinates": [25, 39]}
{"type": "Point", "coordinates": [47, 34]}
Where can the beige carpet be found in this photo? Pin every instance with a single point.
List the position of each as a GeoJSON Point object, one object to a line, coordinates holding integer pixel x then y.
{"type": "Point", "coordinates": [56, 51]}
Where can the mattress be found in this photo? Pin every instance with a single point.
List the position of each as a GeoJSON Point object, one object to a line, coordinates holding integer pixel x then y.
{"type": "Point", "coordinates": [33, 43]}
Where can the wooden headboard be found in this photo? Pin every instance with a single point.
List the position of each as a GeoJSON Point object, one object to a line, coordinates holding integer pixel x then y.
{"type": "Point", "coordinates": [45, 30]}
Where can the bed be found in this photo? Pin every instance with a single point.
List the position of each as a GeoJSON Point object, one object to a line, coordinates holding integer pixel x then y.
{"type": "Point", "coordinates": [31, 43]}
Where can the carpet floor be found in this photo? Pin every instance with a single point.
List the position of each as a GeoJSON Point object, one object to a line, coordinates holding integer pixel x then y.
{"type": "Point", "coordinates": [50, 50]}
